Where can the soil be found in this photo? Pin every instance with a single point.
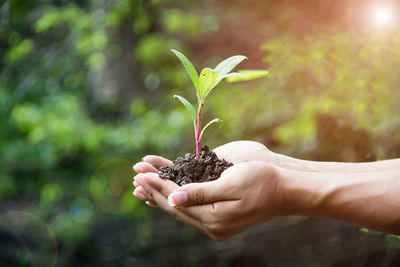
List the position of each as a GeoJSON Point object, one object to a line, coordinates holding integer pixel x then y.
{"type": "Point", "coordinates": [195, 169]}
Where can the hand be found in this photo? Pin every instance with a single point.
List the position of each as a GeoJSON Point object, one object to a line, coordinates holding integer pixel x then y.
{"type": "Point", "coordinates": [246, 194]}
{"type": "Point", "coordinates": [235, 152]}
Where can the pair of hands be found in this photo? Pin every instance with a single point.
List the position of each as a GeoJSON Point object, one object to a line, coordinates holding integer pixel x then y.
{"type": "Point", "coordinates": [246, 194]}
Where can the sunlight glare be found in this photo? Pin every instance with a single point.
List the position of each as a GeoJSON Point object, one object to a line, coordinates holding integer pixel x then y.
{"type": "Point", "coordinates": [382, 15]}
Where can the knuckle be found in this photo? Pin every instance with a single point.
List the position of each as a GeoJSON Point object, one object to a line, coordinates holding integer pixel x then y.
{"type": "Point", "coordinates": [179, 208]}
{"type": "Point", "coordinates": [151, 194]}
{"type": "Point", "coordinates": [199, 197]}
{"type": "Point", "coordinates": [173, 212]}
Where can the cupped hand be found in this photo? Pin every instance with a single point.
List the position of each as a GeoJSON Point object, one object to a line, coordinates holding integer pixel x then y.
{"type": "Point", "coordinates": [246, 194]}
{"type": "Point", "coordinates": [235, 152]}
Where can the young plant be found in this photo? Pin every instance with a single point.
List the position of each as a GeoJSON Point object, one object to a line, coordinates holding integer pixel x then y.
{"type": "Point", "coordinates": [206, 82]}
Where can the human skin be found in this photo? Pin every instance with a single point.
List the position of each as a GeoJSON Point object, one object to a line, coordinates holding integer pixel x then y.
{"type": "Point", "coordinates": [263, 185]}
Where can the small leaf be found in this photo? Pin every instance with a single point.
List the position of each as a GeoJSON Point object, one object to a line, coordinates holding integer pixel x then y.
{"type": "Point", "coordinates": [189, 107]}
{"type": "Point", "coordinates": [207, 81]}
{"type": "Point", "coordinates": [217, 120]}
{"type": "Point", "coordinates": [228, 64]}
{"type": "Point", "coordinates": [189, 68]}
{"type": "Point", "coordinates": [249, 75]}
{"type": "Point", "coordinates": [212, 87]}
{"type": "Point", "coordinates": [233, 74]}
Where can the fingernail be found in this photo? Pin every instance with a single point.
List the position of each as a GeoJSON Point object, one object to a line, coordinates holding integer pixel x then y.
{"type": "Point", "coordinates": [177, 198]}
{"type": "Point", "coordinates": [139, 195]}
{"type": "Point", "coordinates": [135, 184]}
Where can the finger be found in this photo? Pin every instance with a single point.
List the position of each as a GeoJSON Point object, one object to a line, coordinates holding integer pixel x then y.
{"type": "Point", "coordinates": [142, 167]}
{"type": "Point", "coordinates": [140, 193]}
{"type": "Point", "coordinates": [200, 193]}
{"type": "Point", "coordinates": [161, 201]}
{"type": "Point", "coordinates": [164, 186]}
{"type": "Point", "coordinates": [157, 161]}
{"type": "Point", "coordinates": [151, 204]}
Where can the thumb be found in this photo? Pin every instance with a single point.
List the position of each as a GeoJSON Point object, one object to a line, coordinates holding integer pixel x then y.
{"type": "Point", "coordinates": [197, 194]}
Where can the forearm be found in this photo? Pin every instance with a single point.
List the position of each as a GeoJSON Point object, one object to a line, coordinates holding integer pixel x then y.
{"type": "Point", "coordinates": [336, 167]}
{"type": "Point", "coordinates": [370, 200]}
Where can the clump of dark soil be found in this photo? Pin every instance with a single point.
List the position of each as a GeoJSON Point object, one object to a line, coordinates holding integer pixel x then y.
{"type": "Point", "coordinates": [194, 169]}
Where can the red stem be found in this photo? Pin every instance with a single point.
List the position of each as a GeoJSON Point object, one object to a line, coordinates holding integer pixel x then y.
{"type": "Point", "coordinates": [198, 130]}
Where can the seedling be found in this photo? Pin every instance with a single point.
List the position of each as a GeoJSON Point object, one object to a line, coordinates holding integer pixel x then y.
{"type": "Point", "coordinates": [206, 82]}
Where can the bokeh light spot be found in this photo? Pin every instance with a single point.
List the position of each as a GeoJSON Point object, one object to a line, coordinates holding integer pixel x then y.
{"type": "Point", "coordinates": [29, 240]}
{"type": "Point", "coordinates": [111, 186]}
{"type": "Point", "coordinates": [152, 81]}
{"type": "Point", "coordinates": [81, 210]}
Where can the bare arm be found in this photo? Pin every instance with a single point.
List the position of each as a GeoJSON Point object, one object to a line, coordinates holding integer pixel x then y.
{"type": "Point", "coordinates": [262, 185]}
{"type": "Point", "coordinates": [243, 151]}
{"type": "Point", "coordinates": [323, 166]}
{"type": "Point", "coordinates": [366, 199]}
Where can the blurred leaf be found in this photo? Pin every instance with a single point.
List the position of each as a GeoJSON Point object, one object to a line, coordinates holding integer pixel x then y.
{"type": "Point", "coordinates": [151, 49]}
{"type": "Point", "coordinates": [50, 19]}
{"type": "Point", "coordinates": [233, 75]}
{"type": "Point", "coordinates": [247, 75]}
{"type": "Point", "coordinates": [49, 193]}
{"type": "Point", "coordinates": [178, 21]}
{"type": "Point", "coordinates": [19, 51]}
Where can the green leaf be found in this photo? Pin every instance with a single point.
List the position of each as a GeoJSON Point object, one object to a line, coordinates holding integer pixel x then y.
{"type": "Point", "coordinates": [207, 81]}
{"type": "Point", "coordinates": [217, 120]}
{"type": "Point", "coordinates": [249, 75]}
{"type": "Point", "coordinates": [189, 68]}
{"type": "Point", "coordinates": [233, 74]}
{"type": "Point", "coordinates": [228, 64]}
{"type": "Point", "coordinates": [218, 80]}
{"type": "Point", "coordinates": [189, 107]}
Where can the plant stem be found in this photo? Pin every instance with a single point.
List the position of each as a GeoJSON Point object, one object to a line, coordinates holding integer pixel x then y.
{"type": "Point", "coordinates": [198, 128]}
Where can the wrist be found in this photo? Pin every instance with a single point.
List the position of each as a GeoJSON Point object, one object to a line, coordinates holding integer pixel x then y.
{"type": "Point", "coordinates": [301, 192]}
{"type": "Point", "coordinates": [271, 199]}
{"type": "Point", "coordinates": [291, 163]}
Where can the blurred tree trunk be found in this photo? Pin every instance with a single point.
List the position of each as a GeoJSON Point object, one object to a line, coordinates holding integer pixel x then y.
{"type": "Point", "coordinates": [117, 81]}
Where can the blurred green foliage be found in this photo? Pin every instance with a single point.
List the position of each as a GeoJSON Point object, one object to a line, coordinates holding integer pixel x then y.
{"type": "Point", "coordinates": [86, 90]}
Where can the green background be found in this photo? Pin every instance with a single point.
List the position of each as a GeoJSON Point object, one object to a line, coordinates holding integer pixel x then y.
{"type": "Point", "coordinates": [86, 90]}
